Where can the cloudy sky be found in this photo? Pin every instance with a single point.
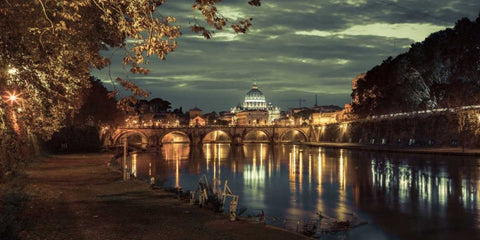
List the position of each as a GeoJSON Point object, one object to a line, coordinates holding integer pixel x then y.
{"type": "Point", "coordinates": [295, 49]}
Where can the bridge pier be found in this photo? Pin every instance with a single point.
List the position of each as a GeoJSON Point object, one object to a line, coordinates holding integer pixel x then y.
{"type": "Point", "coordinates": [237, 140]}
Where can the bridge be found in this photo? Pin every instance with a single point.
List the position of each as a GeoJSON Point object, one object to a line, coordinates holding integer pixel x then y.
{"type": "Point", "coordinates": [354, 130]}
{"type": "Point", "coordinates": [235, 135]}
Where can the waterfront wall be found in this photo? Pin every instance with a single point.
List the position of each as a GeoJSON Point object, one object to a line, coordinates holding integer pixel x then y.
{"type": "Point", "coordinates": [432, 130]}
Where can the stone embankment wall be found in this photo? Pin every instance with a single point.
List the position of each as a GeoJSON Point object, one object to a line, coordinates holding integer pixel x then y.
{"type": "Point", "coordinates": [432, 130]}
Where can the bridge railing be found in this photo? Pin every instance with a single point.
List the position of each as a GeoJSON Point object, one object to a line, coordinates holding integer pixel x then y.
{"type": "Point", "coordinates": [209, 126]}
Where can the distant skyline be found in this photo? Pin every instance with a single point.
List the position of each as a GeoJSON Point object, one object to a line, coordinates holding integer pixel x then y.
{"type": "Point", "coordinates": [295, 49]}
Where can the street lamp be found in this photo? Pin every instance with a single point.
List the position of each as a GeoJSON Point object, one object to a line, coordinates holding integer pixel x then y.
{"type": "Point", "coordinates": [12, 97]}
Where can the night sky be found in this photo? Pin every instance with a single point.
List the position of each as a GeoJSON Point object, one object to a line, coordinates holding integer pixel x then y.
{"type": "Point", "coordinates": [295, 49]}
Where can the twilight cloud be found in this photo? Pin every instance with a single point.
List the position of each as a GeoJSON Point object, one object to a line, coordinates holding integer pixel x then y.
{"type": "Point", "coordinates": [296, 49]}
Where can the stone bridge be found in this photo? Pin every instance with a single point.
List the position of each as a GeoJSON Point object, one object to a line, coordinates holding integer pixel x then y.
{"type": "Point", "coordinates": [152, 137]}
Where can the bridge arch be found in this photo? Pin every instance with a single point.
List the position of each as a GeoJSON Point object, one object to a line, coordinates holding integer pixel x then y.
{"type": "Point", "coordinates": [175, 137]}
{"type": "Point", "coordinates": [293, 135]}
{"type": "Point", "coordinates": [133, 137]}
{"type": "Point", "coordinates": [217, 136]}
{"type": "Point", "coordinates": [257, 136]}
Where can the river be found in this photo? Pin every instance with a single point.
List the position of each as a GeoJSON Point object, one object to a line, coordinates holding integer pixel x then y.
{"type": "Point", "coordinates": [401, 196]}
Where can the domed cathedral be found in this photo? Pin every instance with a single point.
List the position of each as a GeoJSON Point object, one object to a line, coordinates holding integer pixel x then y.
{"type": "Point", "coordinates": [255, 101]}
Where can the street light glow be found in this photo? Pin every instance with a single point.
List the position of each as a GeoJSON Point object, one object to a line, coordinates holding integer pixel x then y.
{"type": "Point", "coordinates": [12, 97]}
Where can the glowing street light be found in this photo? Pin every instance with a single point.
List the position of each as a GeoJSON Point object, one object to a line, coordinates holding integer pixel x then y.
{"type": "Point", "coordinates": [12, 97]}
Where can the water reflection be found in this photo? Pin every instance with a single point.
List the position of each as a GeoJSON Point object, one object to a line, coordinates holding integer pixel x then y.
{"type": "Point", "coordinates": [429, 196]}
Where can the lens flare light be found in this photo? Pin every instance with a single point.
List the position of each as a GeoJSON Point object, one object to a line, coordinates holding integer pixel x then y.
{"type": "Point", "coordinates": [12, 97]}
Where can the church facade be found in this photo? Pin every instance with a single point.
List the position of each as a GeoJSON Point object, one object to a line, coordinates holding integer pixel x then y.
{"type": "Point", "coordinates": [255, 101]}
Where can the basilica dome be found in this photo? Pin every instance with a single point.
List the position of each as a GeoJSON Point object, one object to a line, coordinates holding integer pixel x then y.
{"type": "Point", "coordinates": [255, 101]}
{"type": "Point", "coordinates": [254, 95]}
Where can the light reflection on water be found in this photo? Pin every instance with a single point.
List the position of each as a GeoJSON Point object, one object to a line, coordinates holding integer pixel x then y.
{"type": "Point", "coordinates": [401, 195]}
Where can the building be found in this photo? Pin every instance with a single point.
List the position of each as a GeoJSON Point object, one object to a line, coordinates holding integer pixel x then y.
{"type": "Point", "coordinates": [194, 112]}
{"type": "Point", "coordinates": [324, 118]}
{"type": "Point", "coordinates": [252, 118]}
{"type": "Point", "coordinates": [197, 121]}
{"type": "Point", "coordinates": [255, 101]}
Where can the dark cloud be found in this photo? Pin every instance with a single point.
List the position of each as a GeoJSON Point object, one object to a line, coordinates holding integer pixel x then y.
{"type": "Point", "coordinates": [296, 49]}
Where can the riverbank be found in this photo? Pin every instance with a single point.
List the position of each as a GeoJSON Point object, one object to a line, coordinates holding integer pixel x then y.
{"type": "Point", "coordinates": [77, 197]}
{"type": "Point", "coordinates": [458, 151]}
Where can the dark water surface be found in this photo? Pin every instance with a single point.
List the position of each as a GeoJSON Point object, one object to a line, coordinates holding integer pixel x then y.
{"type": "Point", "coordinates": [402, 196]}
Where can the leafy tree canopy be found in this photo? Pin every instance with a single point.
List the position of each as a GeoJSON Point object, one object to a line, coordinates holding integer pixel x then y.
{"type": "Point", "coordinates": [47, 48]}
{"type": "Point", "coordinates": [442, 71]}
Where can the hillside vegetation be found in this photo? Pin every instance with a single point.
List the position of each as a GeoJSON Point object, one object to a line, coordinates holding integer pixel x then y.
{"type": "Point", "coordinates": [442, 71]}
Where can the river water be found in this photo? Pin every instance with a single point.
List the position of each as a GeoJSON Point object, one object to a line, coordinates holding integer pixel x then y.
{"type": "Point", "coordinates": [401, 196]}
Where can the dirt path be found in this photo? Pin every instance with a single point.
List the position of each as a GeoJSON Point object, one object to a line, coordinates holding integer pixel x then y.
{"type": "Point", "coordinates": [78, 197]}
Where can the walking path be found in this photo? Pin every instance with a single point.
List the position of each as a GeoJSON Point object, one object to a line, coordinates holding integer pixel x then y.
{"type": "Point", "coordinates": [405, 149]}
{"type": "Point", "coordinates": [78, 197]}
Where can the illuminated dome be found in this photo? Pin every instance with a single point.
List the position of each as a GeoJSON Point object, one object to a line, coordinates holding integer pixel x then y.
{"type": "Point", "coordinates": [254, 99]}
{"type": "Point", "coordinates": [254, 95]}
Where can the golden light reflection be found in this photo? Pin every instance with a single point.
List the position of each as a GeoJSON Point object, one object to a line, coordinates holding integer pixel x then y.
{"type": "Point", "coordinates": [292, 170]}
{"type": "Point", "coordinates": [174, 154]}
{"type": "Point", "coordinates": [309, 170]}
{"type": "Point", "coordinates": [134, 165]}
{"type": "Point", "coordinates": [300, 170]}
{"type": "Point", "coordinates": [214, 154]}
{"type": "Point", "coordinates": [319, 172]}
{"type": "Point", "coordinates": [207, 157]}
{"type": "Point", "coordinates": [341, 171]}
{"type": "Point", "coordinates": [177, 171]}
{"type": "Point", "coordinates": [429, 188]}
{"type": "Point", "coordinates": [254, 174]}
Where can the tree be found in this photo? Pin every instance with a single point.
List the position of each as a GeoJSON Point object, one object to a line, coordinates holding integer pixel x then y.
{"type": "Point", "coordinates": [47, 48]}
{"type": "Point", "coordinates": [426, 77]}
{"type": "Point", "coordinates": [98, 107]}
{"type": "Point", "coordinates": [158, 105]}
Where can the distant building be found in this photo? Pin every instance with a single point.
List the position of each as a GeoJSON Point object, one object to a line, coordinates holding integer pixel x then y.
{"type": "Point", "coordinates": [327, 108]}
{"type": "Point", "coordinates": [255, 101]}
{"type": "Point", "coordinates": [323, 118]}
{"type": "Point", "coordinates": [194, 112]}
{"type": "Point", "coordinates": [197, 121]}
{"type": "Point", "coordinates": [252, 118]}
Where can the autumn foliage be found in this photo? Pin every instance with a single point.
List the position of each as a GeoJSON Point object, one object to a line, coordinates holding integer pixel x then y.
{"type": "Point", "coordinates": [48, 47]}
